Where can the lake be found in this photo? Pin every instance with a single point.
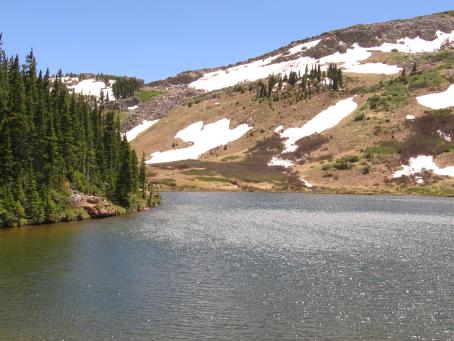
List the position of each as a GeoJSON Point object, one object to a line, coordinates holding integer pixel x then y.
{"type": "Point", "coordinates": [236, 266]}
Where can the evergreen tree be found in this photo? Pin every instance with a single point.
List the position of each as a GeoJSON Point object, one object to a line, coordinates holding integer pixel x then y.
{"type": "Point", "coordinates": [53, 141]}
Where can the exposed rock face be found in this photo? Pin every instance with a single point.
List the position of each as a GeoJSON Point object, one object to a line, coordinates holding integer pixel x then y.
{"type": "Point", "coordinates": [96, 207]}
{"type": "Point", "coordinates": [159, 106]}
{"type": "Point", "coordinates": [185, 77]}
{"type": "Point", "coordinates": [377, 34]}
{"type": "Point", "coordinates": [331, 42]}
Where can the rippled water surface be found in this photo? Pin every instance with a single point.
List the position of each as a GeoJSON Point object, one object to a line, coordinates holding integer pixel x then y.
{"type": "Point", "coordinates": [238, 266]}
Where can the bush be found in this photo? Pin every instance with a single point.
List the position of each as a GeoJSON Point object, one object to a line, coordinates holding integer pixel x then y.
{"type": "Point", "coordinates": [394, 96]}
{"type": "Point", "coordinates": [360, 117]}
{"type": "Point", "coordinates": [346, 162]}
{"type": "Point", "coordinates": [371, 152]}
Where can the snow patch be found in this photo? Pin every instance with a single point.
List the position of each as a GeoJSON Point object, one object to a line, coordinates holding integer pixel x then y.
{"type": "Point", "coordinates": [372, 68]}
{"type": "Point", "coordinates": [350, 61]}
{"type": "Point", "coordinates": [417, 45]}
{"type": "Point", "coordinates": [92, 87]}
{"type": "Point", "coordinates": [323, 121]}
{"type": "Point", "coordinates": [203, 137]}
{"type": "Point", "coordinates": [420, 163]}
{"type": "Point", "coordinates": [279, 129]}
{"type": "Point", "coordinates": [306, 183]}
{"type": "Point", "coordinates": [133, 108]}
{"type": "Point", "coordinates": [304, 46]}
{"type": "Point", "coordinates": [136, 131]}
{"type": "Point", "coordinates": [440, 100]}
{"type": "Point", "coordinates": [445, 136]}
{"type": "Point", "coordinates": [410, 117]}
{"type": "Point", "coordinates": [277, 161]}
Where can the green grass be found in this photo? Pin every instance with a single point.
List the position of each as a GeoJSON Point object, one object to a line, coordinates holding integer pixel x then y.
{"type": "Point", "coordinates": [371, 152]}
{"type": "Point", "coordinates": [395, 95]}
{"type": "Point", "coordinates": [344, 163]}
{"type": "Point", "coordinates": [123, 116]}
{"type": "Point", "coordinates": [442, 191]}
{"type": "Point", "coordinates": [198, 172]}
{"type": "Point", "coordinates": [167, 182]}
{"type": "Point", "coordinates": [425, 80]}
{"type": "Point", "coordinates": [147, 95]}
{"type": "Point", "coordinates": [212, 179]}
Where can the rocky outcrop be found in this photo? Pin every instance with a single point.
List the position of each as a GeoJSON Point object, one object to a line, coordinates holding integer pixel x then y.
{"type": "Point", "coordinates": [182, 78]}
{"type": "Point", "coordinates": [339, 40]}
{"type": "Point", "coordinates": [170, 97]}
{"type": "Point", "coordinates": [96, 207]}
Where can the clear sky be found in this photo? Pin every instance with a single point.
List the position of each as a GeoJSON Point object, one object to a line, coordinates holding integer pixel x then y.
{"type": "Point", "coordinates": [156, 38]}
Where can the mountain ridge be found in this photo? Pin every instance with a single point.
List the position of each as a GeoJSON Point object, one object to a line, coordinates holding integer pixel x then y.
{"type": "Point", "coordinates": [426, 27]}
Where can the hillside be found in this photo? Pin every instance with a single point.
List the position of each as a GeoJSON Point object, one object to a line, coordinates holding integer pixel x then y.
{"type": "Point", "coordinates": [367, 109]}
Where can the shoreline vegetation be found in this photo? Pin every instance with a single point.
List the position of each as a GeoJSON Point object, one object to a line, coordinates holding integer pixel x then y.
{"type": "Point", "coordinates": [63, 156]}
{"type": "Point", "coordinates": [402, 192]}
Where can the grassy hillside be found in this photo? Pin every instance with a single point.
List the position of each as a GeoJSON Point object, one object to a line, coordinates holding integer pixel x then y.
{"type": "Point", "coordinates": [358, 155]}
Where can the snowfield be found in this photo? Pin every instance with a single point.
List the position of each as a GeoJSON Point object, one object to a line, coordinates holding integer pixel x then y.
{"type": "Point", "coordinates": [203, 137]}
{"type": "Point", "coordinates": [92, 87]}
{"type": "Point", "coordinates": [136, 131]}
{"type": "Point", "coordinates": [323, 121]}
{"type": "Point", "coordinates": [304, 46]}
{"type": "Point", "coordinates": [277, 161]}
{"type": "Point", "coordinates": [439, 100]}
{"type": "Point", "coordinates": [350, 61]}
{"type": "Point", "coordinates": [420, 163]}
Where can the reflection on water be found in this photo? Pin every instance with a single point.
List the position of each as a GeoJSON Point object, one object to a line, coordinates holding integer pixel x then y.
{"type": "Point", "coordinates": [212, 266]}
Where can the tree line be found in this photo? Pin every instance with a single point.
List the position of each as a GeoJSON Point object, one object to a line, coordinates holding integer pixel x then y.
{"type": "Point", "coordinates": [53, 141]}
{"type": "Point", "coordinates": [310, 82]}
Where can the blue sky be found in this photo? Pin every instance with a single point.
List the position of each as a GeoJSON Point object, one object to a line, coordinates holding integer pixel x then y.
{"type": "Point", "coordinates": [155, 39]}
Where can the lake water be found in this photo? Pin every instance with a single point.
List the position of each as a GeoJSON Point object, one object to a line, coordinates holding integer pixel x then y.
{"type": "Point", "coordinates": [236, 266]}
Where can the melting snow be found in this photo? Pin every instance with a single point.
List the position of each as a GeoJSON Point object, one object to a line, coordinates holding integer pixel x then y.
{"type": "Point", "coordinates": [350, 61]}
{"type": "Point", "coordinates": [420, 163]}
{"type": "Point", "coordinates": [92, 87]}
{"type": "Point", "coordinates": [307, 183]}
{"type": "Point", "coordinates": [416, 45]}
{"type": "Point", "coordinates": [323, 121]}
{"type": "Point", "coordinates": [410, 117]}
{"type": "Point", "coordinates": [136, 131]}
{"type": "Point", "coordinates": [277, 161]}
{"type": "Point", "coordinates": [279, 129]}
{"type": "Point", "coordinates": [203, 137]}
{"type": "Point", "coordinates": [379, 68]}
{"type": "Point", "coordinates": [445, 136]}
{"type": "Point", "coordinates": [304, 46]}
{"type": "Point", "coordinates": [439, 100]}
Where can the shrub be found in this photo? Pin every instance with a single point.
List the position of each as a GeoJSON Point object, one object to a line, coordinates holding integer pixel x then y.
{"type": "Point", "coordinates": [360, 117]}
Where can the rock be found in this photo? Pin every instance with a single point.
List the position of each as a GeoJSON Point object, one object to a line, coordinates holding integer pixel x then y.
{"type": "Point", "coordinates": [159, 106]}
{"type": "Point", "coordinates": [93, 200]}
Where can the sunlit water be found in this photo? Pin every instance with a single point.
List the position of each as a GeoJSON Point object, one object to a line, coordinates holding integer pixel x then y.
{"type": "Point", "coordinates": [239, 266]}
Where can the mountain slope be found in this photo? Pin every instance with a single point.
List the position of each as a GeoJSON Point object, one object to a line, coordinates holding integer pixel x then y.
{"type": "Point", "coordinates": [352, 138]}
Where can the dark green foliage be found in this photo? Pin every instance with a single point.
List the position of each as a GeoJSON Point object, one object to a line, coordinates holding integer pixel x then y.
{"type": "Point", "coordinates": [52, 141]}
{"type": "Point", "coordinates": [312, 81]}
{"type": "Point", "coordinates": [125, 87]}
{"type": "Point", "coordinates": [346, 162]}
{"type": "Point", "coordinates": [394, 96]}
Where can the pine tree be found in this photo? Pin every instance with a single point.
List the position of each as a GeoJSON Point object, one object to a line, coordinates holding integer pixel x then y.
{"type": "Point", "coordinates": [142, 175]}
